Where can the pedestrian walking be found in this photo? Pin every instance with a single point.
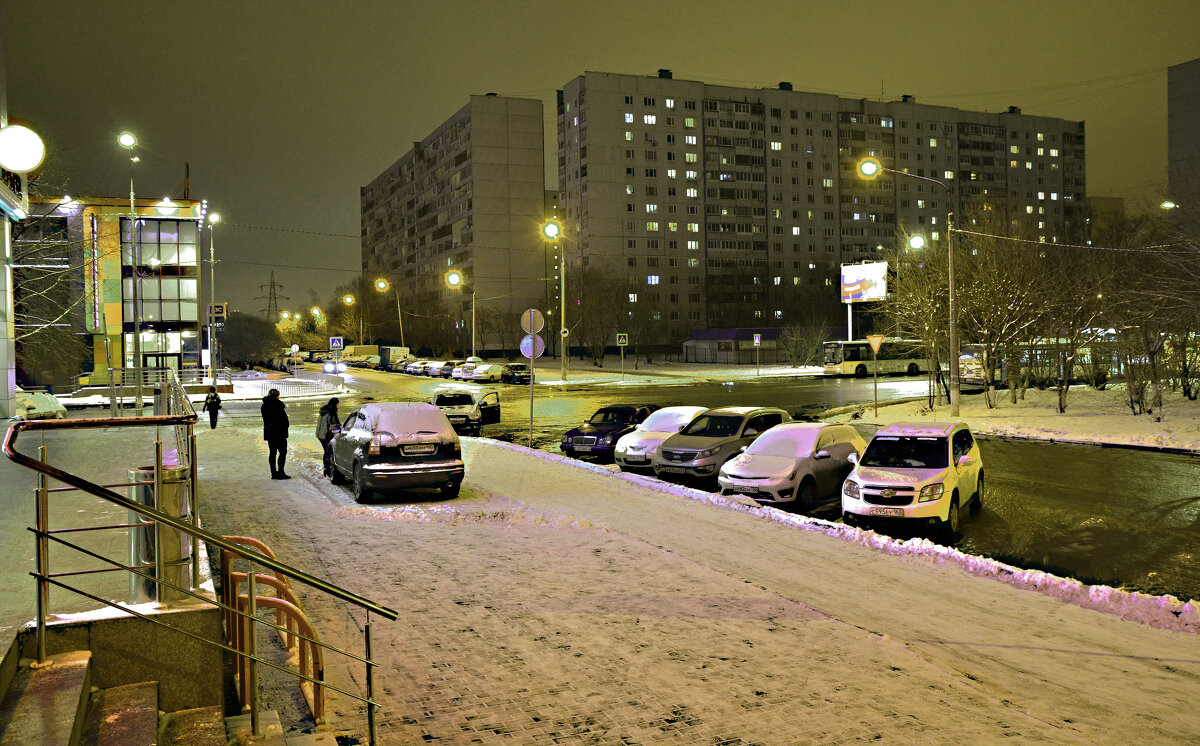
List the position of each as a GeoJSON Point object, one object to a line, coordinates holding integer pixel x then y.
{"type": "Point", "coordinates": [212, 405]}
{"type": "Point", "coordinates": [275, 432]}
{"type": "Point", "coordinates": [328, 425]}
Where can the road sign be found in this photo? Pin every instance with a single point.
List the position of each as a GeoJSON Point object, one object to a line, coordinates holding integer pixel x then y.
{"type": "Point", "coordinates": [532, 346]}
{"type": "Point", "coordinates": [757, 340]}
{"type": "Point", "coordinates": [295, 349]}
{"type": "Point", "coordinates": [218, 311]}
{"type": "Point", "coordinates": [622, 340]}
{"type": "Point", "coordinates": [564, 332]}
{"type": "Point", "coordinates": [876, 340]}
{"type": "Point", "coordinates": [335, 343]}
{"type": "Point", "coordinates": [532, 321]}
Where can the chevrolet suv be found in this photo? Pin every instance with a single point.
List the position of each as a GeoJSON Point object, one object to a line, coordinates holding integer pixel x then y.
{"type": "Point", "coordinates": [713, 438]}
{"type": "Point", "coordinates": [918, 473]}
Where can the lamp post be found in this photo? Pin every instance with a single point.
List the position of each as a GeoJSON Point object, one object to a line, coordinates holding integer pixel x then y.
{"type": "Point", "coordinates": [349, 301]}
{"type": "Point", "coordinates": [455, 279]}
{"type": "Point", "coordinates": [128, 141]}
{"type": "Point", "coordinates": [551, 231]}
{"type": "Point", "coordinates": [869, 169]}
{"type": "Point", "coordinates": [382, 286]}
{"type": "Point", "coordinates": [213, 219]}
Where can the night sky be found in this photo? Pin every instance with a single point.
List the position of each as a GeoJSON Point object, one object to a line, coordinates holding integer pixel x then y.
{"type": "Point", "coordinates": [285, 109]}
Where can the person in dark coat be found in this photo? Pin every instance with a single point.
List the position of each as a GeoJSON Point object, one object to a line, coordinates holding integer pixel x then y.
{"type": "Point", "coordinates": [328, 425]}
{"type": "Point", "coordinates": [275, 432]}
{"type": "Point", "coordinates": [212, 405]}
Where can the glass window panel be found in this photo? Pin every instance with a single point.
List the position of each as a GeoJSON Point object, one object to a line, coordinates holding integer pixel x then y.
{"type": "Point", "coordinates": [168, 231]}
{"type": "Point", "coordinates": [189, 312]}
{"type": "Point", "coordinates": [148, 230]}
{"type": "Point", "coordinates": [151, 310]}
{"type": "Point", "coordinates": [149, 253]}
{"type": "Point", "coordinates": [187, 255]}
{"type": "Point", "coordinates": [170, 310]}
{"type": "Point", "coordinates": [128, 312]}
{"type": "Point", "coordinates": [187, 288]}
{"type": "Point", "coordinates": [170, 288]}
{"type": "Point", "coordinates": [127, 288]}
{"type": "Point", "coordinates": [150, 289]}
{"type": "Point", "coordinates": [168, 253]}
{"type": "Point", "coordinates": [187, 232]}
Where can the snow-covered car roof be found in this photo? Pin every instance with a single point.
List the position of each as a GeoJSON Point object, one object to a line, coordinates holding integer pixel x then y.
{"type": "Point", "coordinates": [919, 429]}
{"type": "Point", "coordinates": [788, 439]}
{"type": "Point", "coordinates": [402, 417]}
{"type": "Point", "coordinates": [670, 419]}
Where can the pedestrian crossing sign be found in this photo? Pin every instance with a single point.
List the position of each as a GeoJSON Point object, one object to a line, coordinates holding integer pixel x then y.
{"type": "Point", "coordinates": [622, 340]}
{"type": "Point", "coordinates": [335, 343]}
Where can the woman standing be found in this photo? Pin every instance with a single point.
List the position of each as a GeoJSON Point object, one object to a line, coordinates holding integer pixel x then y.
{"type": "Point", "coordinates": [212, 405]}
{"type": "Point", "coordinates": [328, 425]}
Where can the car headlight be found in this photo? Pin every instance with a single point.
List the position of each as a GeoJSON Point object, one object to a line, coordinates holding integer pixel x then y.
{"type": "Point", "coordinates": [850, 489]}
{"type": "Point", "coordinates": [931, 492]}
{"type": "Point", "coordinates": [329, 367]}
{"type": "Point", "coordinates": [566, 439]}
{"type": "Point", "coordinates": [604, 439]}
{"type": "Point", "coordinates": [341, 367]}
{"type": "Point", "coordinates": [708, 452]}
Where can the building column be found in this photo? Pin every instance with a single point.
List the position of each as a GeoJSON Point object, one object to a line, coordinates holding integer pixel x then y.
{"type": "Point", "coordinates": [8, 350]}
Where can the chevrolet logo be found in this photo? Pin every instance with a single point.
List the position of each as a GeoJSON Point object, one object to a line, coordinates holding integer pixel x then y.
{"type": "Point", "coordinates": [887, 493]}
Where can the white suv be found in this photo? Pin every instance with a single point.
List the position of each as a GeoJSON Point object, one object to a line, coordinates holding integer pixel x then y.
{"type": "Point", "coordinates": [918, 472]}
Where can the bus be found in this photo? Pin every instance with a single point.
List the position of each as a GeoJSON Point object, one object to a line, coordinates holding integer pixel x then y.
{"type": "Point", "coordinates": [901, 356]}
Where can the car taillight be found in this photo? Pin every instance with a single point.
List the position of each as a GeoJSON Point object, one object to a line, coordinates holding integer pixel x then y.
{"type": "Point", "coordinates": [373, 448]}
{"type": "Point", "coordinates": [457, 449]}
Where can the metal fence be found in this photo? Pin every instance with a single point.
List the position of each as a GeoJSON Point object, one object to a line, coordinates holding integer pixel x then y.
{"type": "Point", "coordinates": [302, 384]}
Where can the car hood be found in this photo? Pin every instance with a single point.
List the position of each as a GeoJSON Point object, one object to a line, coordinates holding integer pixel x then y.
{"type": "Point", "coordinates": [696, 442]}
{"type": "Point", "coordinates": [747, 466]}
{"type": "Point", "coordinates": [642, 440]}
{"type": "Point", "coordinates": [896, 477]}
{"type": "Point", "coordinates": [590, 429]}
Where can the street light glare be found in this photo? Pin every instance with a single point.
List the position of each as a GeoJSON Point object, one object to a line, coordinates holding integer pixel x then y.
{"type": "Point", "coordinates": [381, 285]}
{"type": "Point", "coordinates": [916, 242]}
{"type": "Point", "coordinates": [21, 150]}
{"type": "Point", "coordinates": [869, 168]}
{"type": "Point", "coordinates": [1168, 205]}
{"type": "Point", "coordinates": [454, 279]}
{"type": "Point", "coordinates": [214, 217]}
{"type": "Point", "coordinates": [316, 312]}
{"type": "Point", "coordinates": [551, 229]}
{"type": "Point", "coordinates": [348, 300]}
{"type": "Point", "coordinates": [127, 139]}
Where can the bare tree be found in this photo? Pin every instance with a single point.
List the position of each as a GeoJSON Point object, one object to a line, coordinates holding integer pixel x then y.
{"type": "Point", "coordinates": [597, 314]}
{"type": "Point", "coordinates": [801, 342]}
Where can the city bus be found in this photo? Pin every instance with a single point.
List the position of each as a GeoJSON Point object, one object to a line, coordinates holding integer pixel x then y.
{"type": "Point", "coordinates": [899, 356]}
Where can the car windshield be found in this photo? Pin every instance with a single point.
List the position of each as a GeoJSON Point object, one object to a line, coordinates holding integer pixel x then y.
{"type": "Point", "coordinates": [612, 417]}
{"type": "Point", "coordinates": [910, 451]}
{"type": "Point", "coordinates": [517, 367]}
{"type": "Point", "coordinates": [787, 443]}
{"type": "Point", "coordinates": [666, 421]}
{"type": "Point", "coordinates": [453, 400]}
{"type": "Point", "coordinates": [714, 426]}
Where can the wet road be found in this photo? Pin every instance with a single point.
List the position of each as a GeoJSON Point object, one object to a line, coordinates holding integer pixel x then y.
{"type": "Point", "coordinates": [1103, 515]}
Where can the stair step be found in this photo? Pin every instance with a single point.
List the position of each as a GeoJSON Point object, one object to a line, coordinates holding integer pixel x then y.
{"type": "Point", "coordinates": [124, 715]}
{"type": "Point", "coordinates": [237, 729]}
{"type": "Point", "coordinates": [199, 726]}
{"type": "Point", "coordinates": [46, 705]}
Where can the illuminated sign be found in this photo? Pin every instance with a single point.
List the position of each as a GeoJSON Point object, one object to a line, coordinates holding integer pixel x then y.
{"type": "Point", "coordinates": [864, 282]}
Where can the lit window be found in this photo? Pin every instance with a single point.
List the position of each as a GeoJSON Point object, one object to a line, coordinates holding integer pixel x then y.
{"type": "Point", "coordinates": [690, 174]}
{"type": "Point", "coordinates": [633, 297]}
{"type": "Point", "coordinates": [649, 118]}
{"type": "Point", "coordinates": [933, 235]}
{"type": "Point", "coordinates": [795, 230]}
{"type": "Point", "coordinates": [689, 122]}
{"type": "Point", "coordinates": [921, 204]}
{"type": "Point", "coordinates": [651, 208]}
{"type": "Point", "coordinates": [1014, 164]}
{"type": "Point", "coordinates": [693, 228]}
{"type": "Point", "coordinates": [777, 280]}
{"type": "Point", "coordinates": [776, 145]}
{"type": "Point", "coordinates": [1041, 151]}
{"type": "Point", "coordinates": [670, 103]}
{"type": "Point", "coordinates": [689, 139]}
{"type": "Point", "coordinates": [651, 279]}
{"type": "Point", "coordinates": [628, 135]}
{"type": "Point", "coordinates": [1028, 209]}
{"type": "Point", "coordinates": [827, 183]}
{"type": "Point", "coordinates": [1053, 152]}
{"type": "Point", "coordinates": [629, 117]}
{"type": "Point", "coordinates": [810, 266]}
{"type": "Point", "coordinates": [1041, 195]}
{"type": "Point", "coordinates": [1041, 137]}
{"type": "Point", "coordinates": [933, 142]}
{"type": "Point", "coordinates": [693, 262]}
{"type": "Point", "coordinates": [629, 188]}
{"type": "Point", "coordinates": [1053, 196]}
{"type": "Point", "coordinates": [1029, 165]}
{"type": "Point", "coordinates": [651, 225]}
{"type": "Point", "coordinates": [693, 246]}
{"type": "Point", "coordinates": [689, 157]}
{"type": "Point", "coordinates": [672, 227]}
{"type": "Point", "coordinates": [693, 192]}
{"type": "Point", "coordinates": [670, 173]}
{"type": "Point", "coordinates": [1014, 149]}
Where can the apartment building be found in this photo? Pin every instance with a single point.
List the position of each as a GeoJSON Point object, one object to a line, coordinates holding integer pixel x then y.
{"type": "Point", "coordinates": [468, 197]}
{"type": "Point", "coordinates": [735, 207]}
{"type": "Point", "coordinates": [1183, 135]}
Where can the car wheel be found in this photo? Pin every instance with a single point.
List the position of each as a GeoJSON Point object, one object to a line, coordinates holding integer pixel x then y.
{"type": "Point", "coordinates": [806, 494]}
{"type": "Point", "coordinates": [950, 525]}
{"type": "Point", "coordinates": [335, 476]}
{"type": "Point", "coordinates": [451, 490]}
{"type": "Point", "coordinates": [977, 501]}
{"type": "Point", "coordinates": [360, 493]}
{"type": "Point", "coordinates": [850, 519]}
{"type": "Point", "coordinates": [860, 371]}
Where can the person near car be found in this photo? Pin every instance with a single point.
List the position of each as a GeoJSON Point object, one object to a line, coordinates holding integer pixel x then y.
{"type": "Point", "coordinates": [275, 432]}
{"type": "Point", "coordinates": [328, 424]}
{"type": "Point", "coordinates": [212, 405]}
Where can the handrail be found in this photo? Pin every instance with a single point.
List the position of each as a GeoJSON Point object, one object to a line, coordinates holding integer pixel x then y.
{"type": "Point", "coordinates": [15, 429]}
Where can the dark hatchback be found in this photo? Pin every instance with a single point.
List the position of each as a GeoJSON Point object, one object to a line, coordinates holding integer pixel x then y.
{"type": "Point", "coordinates": [597, 437]}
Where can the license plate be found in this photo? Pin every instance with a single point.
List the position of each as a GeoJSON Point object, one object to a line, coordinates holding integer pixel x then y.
{"type": "Point", "coordinates": [745, 490]}
{"type": "Point", "coordinates": [458, 419]}
{"type": "Point", "coordinates": [672, 469]}
{"type": "Point", "coordinates": [583, 448]}
{"type": "Point", "coordinates": [422, 449]}
{"type": "Point", "coordinates": [636, 460]}
{"type": "Point", "coordinates": [895, 512]}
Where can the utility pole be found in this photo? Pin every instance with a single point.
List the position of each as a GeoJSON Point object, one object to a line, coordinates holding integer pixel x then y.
{"type": "Point", "coordinates": [272, 298]}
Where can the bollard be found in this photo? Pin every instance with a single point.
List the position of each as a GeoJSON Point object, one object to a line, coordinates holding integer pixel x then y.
{"type": "Point", "coordinates": [174, 500]}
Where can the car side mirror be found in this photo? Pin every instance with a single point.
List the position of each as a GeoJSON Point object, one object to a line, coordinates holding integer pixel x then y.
{"type": "Point", "coordinates": [819, 455]}
{"type": "Point", "coordinates": [853, 458]}
{"type": "Point", "coordinates": [965, 460]}
{"type": "Point", "coordinates": [742, 449]}
{"type": "Point", "coordinates": [750, 432]}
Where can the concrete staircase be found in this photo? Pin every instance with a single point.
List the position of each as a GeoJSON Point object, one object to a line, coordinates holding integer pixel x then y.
{"type": "Point", "coordinates": [55, 704]}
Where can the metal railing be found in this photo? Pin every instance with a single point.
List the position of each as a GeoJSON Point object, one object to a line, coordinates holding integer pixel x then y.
{"type": "Point", "coordinates": [181, 420]}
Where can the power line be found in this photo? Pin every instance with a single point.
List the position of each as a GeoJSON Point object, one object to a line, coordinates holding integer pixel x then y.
{"type": "Point", "coordinates": [1152, 249]}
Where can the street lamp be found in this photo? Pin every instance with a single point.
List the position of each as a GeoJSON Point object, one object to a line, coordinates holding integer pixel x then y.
{"type": "Point", "coordinates": [551, 231]}
{"type": "Point", "coordinates": [349, 301]}
{"type": "Point", "coordinates": [869, 169]}
{"type": "Point", "coordinates": [213, 219]}
{"type": "Point", "coordinates": [382, 286]}
{"type": "Point", "coordinates": [128, 141]}
{"type": "Point", "coordinates": [455, 279]}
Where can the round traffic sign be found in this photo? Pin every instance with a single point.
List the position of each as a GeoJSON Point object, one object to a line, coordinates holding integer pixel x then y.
{"type": "Point", "coordinates": [532, 321]}
{"type": "Point", "coordinates": [532, 346]}
{"type": "Point", "coordinates": [295, 349]}
{"type": "Point", "coordinates": [564, 332]}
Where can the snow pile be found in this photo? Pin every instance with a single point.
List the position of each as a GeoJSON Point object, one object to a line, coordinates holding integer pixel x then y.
{"type": "Point", "coordinates": [1163, 612]}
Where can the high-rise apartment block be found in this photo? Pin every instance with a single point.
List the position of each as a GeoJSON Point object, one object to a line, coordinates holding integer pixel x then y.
{"type": "Point", "coordinates": [469, 197]}
{"type": "Point", "coordinates": [726, 207]}
{"type": "Point", "coordinates": [1183, 133]}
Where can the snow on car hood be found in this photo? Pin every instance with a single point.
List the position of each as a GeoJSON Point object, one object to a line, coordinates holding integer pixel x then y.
{"type": "Point", "coordinates": [696, 442]}
{"type": "Point", "coordinates": [642, 441]}
{"type": "Point", "coordinates": [915, 477]}
{"type": "Point", "coordinates": [748, 466]}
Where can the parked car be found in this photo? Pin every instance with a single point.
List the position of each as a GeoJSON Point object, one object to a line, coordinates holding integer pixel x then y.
{"type": "Point", "coordinates": [635, 450]}
{"type": "Point", "coordinates": [916, 472]}
{"type": "Point", "coordinates": [415, 367]}
{"type": "Point", "coordinates": [468, 409]}
{"type": "Point", "coordinates": [400, 366]}
{"type": "Point", "coordinates": [430, 366]}
{"type": "Point", "coordinates": [515, 373]}
{"type": "Point", "coordinates": [488, 372]}
{"type": "Point", "coordinates": [713, 438]}
{"type": "Point", "coordinates": [796, 463]}
{"type": "Point", "coordinates": [329, 366]}
{"type": "Point", "coordinates": [374, 362]}
{"type": "Point", "coordinates": [397, 445]}
{"type": "Point", "coordinates": [597, 436]}
{"type": "Point", "coordinates": [447, 368]}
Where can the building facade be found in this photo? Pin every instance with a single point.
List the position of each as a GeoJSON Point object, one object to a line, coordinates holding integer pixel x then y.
{"type": "Point", "coordinates": [145, 281]}
{"type": "Point", "coordinates": [469, 197]}
{"type": "Point", "coordinates": [735, 207]}
{"type": "Point", "coordinates": [1183, 136]}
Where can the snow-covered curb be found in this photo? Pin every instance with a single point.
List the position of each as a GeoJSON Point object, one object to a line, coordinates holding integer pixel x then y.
{"type": "Point", "coordinates": [1162, 612]}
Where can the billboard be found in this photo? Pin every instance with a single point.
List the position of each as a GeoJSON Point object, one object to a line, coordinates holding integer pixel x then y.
{"type": "Point", "coordinates": [864, 282]}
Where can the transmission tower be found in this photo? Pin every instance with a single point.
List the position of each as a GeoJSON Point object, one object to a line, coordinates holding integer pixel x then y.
{"type": "Point", "coordinates": [272, 298]}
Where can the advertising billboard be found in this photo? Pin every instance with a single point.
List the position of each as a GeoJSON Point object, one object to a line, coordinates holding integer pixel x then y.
{"type": "Point", "coordinates": [864, 282]}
